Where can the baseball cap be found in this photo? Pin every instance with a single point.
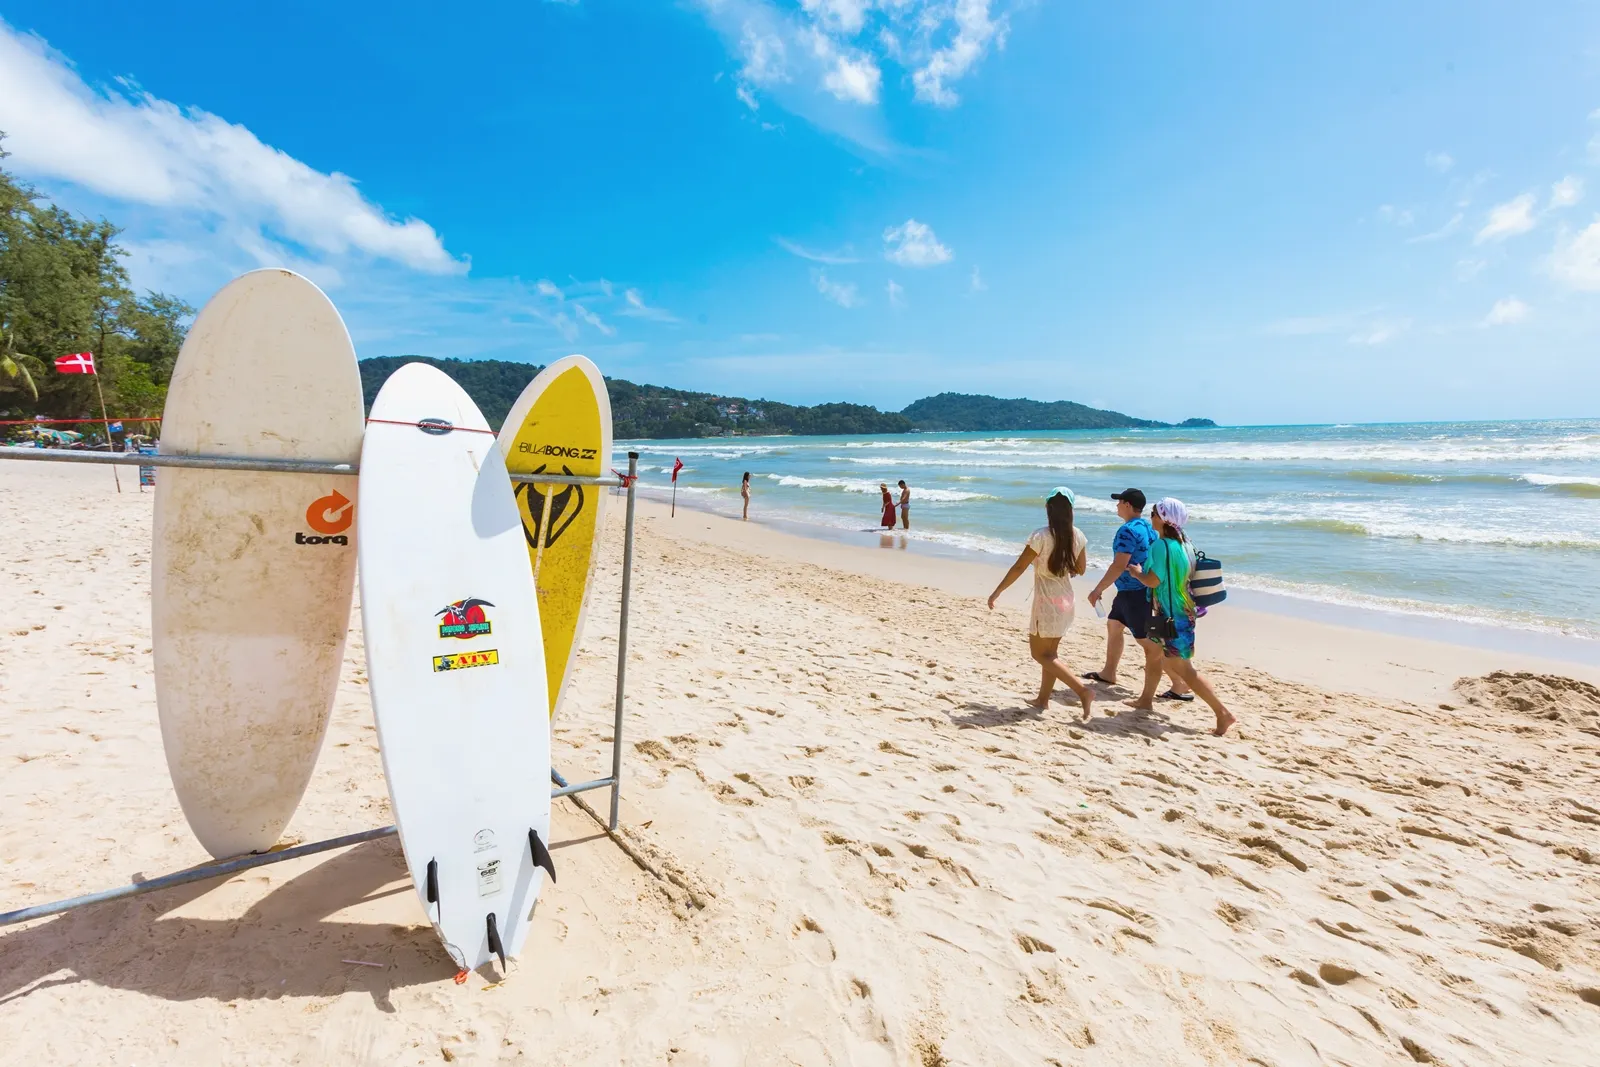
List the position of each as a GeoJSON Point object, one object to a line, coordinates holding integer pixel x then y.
{"type": "Point", "coordinates": [1134, 498]}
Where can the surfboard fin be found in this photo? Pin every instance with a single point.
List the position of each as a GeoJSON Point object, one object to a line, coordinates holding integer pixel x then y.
{"type": "Point", "coordinates": [433, 881]}
{"type": "Point", "coordinates": [541, 855]}
{"type": "Point", "coordinates": [494, 942]}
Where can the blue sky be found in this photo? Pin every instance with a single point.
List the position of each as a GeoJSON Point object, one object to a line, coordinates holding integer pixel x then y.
{"type": "Point", "coordinates": [1257, 212]}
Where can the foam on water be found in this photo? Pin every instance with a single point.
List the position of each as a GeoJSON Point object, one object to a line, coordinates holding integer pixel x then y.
{"type": "Point", "coordinates": [1493, 520]}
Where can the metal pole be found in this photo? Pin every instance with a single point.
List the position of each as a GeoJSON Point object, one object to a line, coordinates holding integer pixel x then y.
{"type": "Point", "coordinates": [221, 463]}
{"type": "Point", "coordinates": [622, 644]}
{"type": "Point", "coordinates": [240, 463]}
{"type": "Point", "coordinates": [196, 874]}
{"type": "Point", "coordinates": [110, 444]}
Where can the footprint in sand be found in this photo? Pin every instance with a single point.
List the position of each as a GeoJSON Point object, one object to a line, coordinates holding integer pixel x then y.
{"type": "Point", "coordinates": [814, 944]}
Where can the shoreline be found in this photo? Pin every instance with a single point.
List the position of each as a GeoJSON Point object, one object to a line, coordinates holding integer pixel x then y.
{"type": "Point", "coordinates": [1311, 646]}
{"type": "Point", "coordinates": [1437, 626]}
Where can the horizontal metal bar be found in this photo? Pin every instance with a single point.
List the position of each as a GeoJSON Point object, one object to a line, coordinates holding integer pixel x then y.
{"type": "Point", "coordinates": [243, 863]}
{"type": "Point", "coordinates": [139, 459]}
{"type": "Point", "coordinates": [581, 787]}
{"type": "Point", "coordinates": [195, 874]}
{"type": "Point", "coordinates": [240, 463]}
{"type": "Point", "coordinates": [565, 479]}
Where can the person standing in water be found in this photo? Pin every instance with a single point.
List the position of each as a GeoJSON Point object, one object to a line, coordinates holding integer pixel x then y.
{"type": "Point", "coordinates": [1166, 574]}
{"type": "Point", "coordinates": [744, 493]}
{"type": "Point", "coordinates": [905, 505]}
{"type": "Point", "coordinates": [887, 522]}
{"type": "Point", "coordinates": [1056, 551]}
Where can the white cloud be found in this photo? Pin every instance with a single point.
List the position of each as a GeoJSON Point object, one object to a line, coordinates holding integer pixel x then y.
{"type": "Point", "coordinates": [839, 47]}
{"type": "Point", "coordinates": [1566, 192]}
{"type": "Point", "coordinates": [897, 294]}
{"type": "Point", "coordinates": [546, 287]}
{"type": "Point", "coordinates": [594, 320]}
{"type": "Point", "coordinates": [747, 98]}
{"type": "Point", "coordinates": [637, 309]}
{"type": "Point", "coordinates": [131, 146]}
{"type": "Point", "coordinates": [1505, 312]}
{"type": "Point", "coordinates": [766, 58]}
{"type": "Point", "coordinates": [1377, 333]}
{"type": "Point", "coordinates": [1394, 215]}
{"type": "Point", "coordinates": [913, 244]}
{"type": "Point", "coordinates": [831, 258]}
{"type": "Point", "coordinates": [1509, 219]}
{"type": "Point", "coordinates": [1439, 161]}
{"type": "Point", "coordinates": [975, 31]}
{"type": "Point", "coordinates": [854, 78]}
{"type": "Point", "coordinates": [975, 283]}
{"type": "Point", "coordinates": [845, 294]}
{"type": "Point", "coordinates": [1576, 260]}
{"type": "Point", "coordinates": [1441, 233]}
{"type": "Point", "coordinates": [1470, 268]}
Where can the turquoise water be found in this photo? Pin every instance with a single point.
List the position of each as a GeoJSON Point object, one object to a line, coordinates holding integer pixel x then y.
{"type": "Point", "coordinates": [1490, 522]}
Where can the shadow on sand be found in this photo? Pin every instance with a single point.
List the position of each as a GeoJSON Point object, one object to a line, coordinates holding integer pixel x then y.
{"type": "Point", "coordinates": [283, 946]}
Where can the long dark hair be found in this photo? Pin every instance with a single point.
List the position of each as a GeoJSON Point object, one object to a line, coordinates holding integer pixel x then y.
{"type": "Point", "coordinates": [1058, 510]}
{"type": "Point", "coordinates": [747, 476]}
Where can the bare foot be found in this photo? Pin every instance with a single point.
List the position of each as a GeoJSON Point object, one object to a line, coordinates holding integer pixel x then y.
{"type": "Point", "coordinates": [1137, 706]}
{"type": "Point", "coordinates": [1225, 719]}
{"type": "Point", "coordinates": [1087, 700]}
{"type": "Point", "coordinates": [1039, 703]}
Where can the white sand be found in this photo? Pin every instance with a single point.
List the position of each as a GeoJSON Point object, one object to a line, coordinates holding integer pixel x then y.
{"type": "Point", "coordinates": [887, 859]}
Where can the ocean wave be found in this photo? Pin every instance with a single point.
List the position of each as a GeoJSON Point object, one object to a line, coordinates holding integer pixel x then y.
{"type": "Point", "coordinates": [1477, 615]}
{"type": "Point", "coordinates": [861, 485]}
{"type": "Point", "coordinates": [1565, 484]}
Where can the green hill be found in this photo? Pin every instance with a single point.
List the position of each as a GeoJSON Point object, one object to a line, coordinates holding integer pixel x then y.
{"type": "Point", "coordinates": [655, 411]}
{"type": "Point", "coordinates": [965, 412]}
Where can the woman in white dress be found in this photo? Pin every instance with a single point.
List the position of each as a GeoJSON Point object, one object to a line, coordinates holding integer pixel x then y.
{"type": "Point", "coordinates": [1057, 553]}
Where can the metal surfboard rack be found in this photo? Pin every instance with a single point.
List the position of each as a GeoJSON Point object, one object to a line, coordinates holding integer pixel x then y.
{"type": "Point", "coordinates": [283, 466]}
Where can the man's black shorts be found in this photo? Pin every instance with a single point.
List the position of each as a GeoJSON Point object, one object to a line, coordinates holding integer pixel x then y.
{"type": "Point", "coordinates": [1132, 609]}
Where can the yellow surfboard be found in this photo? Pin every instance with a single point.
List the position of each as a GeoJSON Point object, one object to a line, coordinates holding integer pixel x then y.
{"type": "Point", "coordinates": [561, 424]}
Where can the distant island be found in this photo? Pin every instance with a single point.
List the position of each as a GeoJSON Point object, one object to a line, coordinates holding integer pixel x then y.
{"type": "Point", "coordinates": [655, 411]}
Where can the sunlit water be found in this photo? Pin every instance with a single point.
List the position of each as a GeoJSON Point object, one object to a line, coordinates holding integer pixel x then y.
{"type": "Point", "coordinates": [1497, 522]}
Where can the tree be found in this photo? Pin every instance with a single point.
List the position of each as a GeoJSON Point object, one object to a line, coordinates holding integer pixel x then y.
{"type": "Point", "coordinates": [63, 289]}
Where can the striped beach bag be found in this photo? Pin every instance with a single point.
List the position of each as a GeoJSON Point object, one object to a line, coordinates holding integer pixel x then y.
{"type": "Point", "coordinates": [1205, 583]}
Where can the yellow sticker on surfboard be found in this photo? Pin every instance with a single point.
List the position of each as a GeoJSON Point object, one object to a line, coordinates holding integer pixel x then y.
{"type": "Point", "coordinates": [561, 424]}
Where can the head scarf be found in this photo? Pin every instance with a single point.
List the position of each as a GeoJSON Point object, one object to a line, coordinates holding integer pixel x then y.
{"type": "Point", "coordinates": [1170, 510]}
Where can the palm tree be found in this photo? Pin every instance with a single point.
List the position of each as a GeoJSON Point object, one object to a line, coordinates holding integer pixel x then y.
{"type": "Point", "coordinates": [19, 366]}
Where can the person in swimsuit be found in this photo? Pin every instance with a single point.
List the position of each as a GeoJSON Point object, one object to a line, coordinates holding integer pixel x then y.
{"type": "Point", "coordinates": [744, 492]}
{"type": "Point", "coordinates": [887, 521]}
{"type": "Point", "coordinates": [905, 505]}
{"type": "Point", "coordinates": [1166, 574]}
{"type": "Point", "coordinates": [1057, 552]}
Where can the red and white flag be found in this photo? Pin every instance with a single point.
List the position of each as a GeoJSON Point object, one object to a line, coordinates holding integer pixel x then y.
{"type": "Point", "coordinates": [77, 363]}
{"type": "Point", "coordinates": [677, 465]}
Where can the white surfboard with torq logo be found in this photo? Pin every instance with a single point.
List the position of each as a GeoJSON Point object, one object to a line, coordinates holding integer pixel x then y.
{"type": "Point", "coordinates": [456, 659]}
{"type": "Point", "coordinates": [252, 572]}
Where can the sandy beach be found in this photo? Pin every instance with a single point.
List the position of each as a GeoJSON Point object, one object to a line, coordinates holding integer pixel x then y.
{"type": "Point", "coordinates": [858, 845]}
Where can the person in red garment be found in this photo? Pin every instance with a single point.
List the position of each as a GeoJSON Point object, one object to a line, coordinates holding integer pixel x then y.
{"type": "Point", "coordinates": [888, 506]}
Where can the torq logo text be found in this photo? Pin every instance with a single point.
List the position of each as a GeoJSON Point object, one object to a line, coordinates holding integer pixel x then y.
{"type": "Point", "coordinates": [564, 451]}
{"type": "Point", "coordinates": [330, 516]}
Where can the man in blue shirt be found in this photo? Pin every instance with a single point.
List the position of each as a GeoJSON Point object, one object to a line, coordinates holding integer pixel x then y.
{"type": "Point", "coordinates": [1130, 608]}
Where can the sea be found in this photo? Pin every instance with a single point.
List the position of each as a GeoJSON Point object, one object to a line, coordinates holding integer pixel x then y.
{"type": "Point", "coordinates": [1491, 523]}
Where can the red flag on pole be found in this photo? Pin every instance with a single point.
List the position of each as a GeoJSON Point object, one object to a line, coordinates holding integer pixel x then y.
{"type": "Point", "coordinates": [77, 363]}
{"type": "Point", "coordinates": [677, 465]}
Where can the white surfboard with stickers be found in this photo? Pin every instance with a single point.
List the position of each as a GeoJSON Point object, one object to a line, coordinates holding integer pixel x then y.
{"type": "Point", "coordinates": [456, 662]}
